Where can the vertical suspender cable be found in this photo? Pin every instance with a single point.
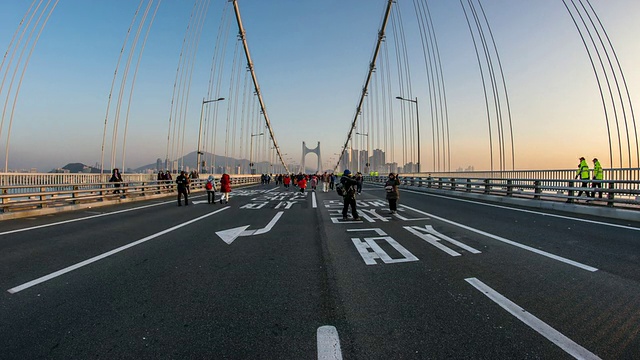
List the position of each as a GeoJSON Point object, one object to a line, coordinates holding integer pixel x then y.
{"type": "Point", "coordinates": [24, 69]}
{"type": "Point", "coordinates": [595, 72]}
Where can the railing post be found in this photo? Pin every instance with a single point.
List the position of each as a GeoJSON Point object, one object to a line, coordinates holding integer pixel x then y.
{"type": "Point", "coordinates": [487, 186]}
{"type": "Point", "coordinates": [509, 187]}
{"type": "Point", "coordinates": [570, 193]}
{"type": "Point", "coordinates": [43, 197]}
{"type": "Point", "coordinates": [468, 187]}
{"type": "Point", "coordinates": [74, 194]}
{"type": "Point", "coordinates": [536, 189]}
{"type": "Point", "coordinates": [440, 183]}
{"type": "Point", "coordinates": [5, 201]}
{"type": "Point", "coordinates": [143, 187]}
{"type": "Point", "coordinates": [420, 181]}
{"type": "Point", "coordinates": [610, 195]}
{"type": "Point", "coordinates": [453, 184]}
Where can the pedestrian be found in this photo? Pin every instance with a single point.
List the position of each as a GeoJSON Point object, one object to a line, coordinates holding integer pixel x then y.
{"type": "Point", "coordinates": [325, 182]}
{"type": "Point", "coordinates": [314, 183]}
{"type": "Point", "coordinates": [332, 181]}
{"type": "Point", "coordinates": [183, 183]}
{"type": "Point", "coordinates": [391, 188]}
{"type": "Point", "coordinates": [359, 179]}
{"type": "Point", "coordinates": [598, 175]}
{"type": "Point", "coordinates": [225, 188]}
{"type": "Point", "coordinates": [116, 178]}
{"type": "Point", "coordinates": [349, 185]}
{"type": "Point", "coordinates": [286, 180]}
{"type": "Point", "coordinates": [302, 184]}
{"type": "Point", "coordinates": [583, 173]}
{"type": "Point", "coordinates": [210, 186]}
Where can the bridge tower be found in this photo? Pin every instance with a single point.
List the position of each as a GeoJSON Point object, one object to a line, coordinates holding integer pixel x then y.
{"type": "Point", "coordinates": [306, 150]}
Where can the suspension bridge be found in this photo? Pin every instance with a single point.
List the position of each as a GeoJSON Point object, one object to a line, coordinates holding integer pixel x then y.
{"type": "Point", "coordinates": [490, 254]}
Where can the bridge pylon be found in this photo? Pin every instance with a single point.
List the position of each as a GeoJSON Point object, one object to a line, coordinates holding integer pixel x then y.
{"type": "Point", "coordinates": [306, 150]}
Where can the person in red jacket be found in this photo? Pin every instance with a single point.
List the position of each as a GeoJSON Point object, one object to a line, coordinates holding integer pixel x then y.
{"type": "Point", "coordinates": [225, 188]}
{"type": "Point", "coordinates": [286, 181]}
{"type": "Point", "coordinates": [302, 184]}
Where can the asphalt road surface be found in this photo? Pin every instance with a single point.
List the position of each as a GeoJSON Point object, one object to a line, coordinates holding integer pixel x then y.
{"type": "Point", "coordinates": [277, 274]}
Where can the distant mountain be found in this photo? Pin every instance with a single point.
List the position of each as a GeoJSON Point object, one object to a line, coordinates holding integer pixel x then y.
{"type": "Point", "coordinates": [191, 159]}
{"type": "Point", "coordinates": [77, 168]}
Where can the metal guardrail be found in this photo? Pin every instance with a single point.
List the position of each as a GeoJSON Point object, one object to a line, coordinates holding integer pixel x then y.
{"type": "Point", "coordinates": [31, 196]}
{"type": "Point", "coordinates": [620, 193]}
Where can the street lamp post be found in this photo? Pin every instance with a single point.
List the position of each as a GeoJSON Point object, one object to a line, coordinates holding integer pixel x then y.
{"type": "Point", "coordinates": [367, 155]}
{"type": "Point", "coordinates": [251, 153]}
{"type": "Point", "coordinates": [199, 152]}
{"type": "Point", "coordinates": [417, 124]}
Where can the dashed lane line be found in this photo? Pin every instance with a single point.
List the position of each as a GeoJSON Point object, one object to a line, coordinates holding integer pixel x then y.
{"type": "Point", "coordinates": [107, 254]}
{"type": "Point", "coordinates": [328, 343]}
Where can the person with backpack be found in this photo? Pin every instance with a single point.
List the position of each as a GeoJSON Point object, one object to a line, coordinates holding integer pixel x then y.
{"type": "Point", "coordinates": [391, 188]}
{"type": "Point", "coordinates": [210, 186]}
{"type": "Point", "coordinates": [347, 187]}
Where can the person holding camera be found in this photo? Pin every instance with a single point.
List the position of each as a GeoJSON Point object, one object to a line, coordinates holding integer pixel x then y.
{"type": "Point", "coordinates": [391, 188]}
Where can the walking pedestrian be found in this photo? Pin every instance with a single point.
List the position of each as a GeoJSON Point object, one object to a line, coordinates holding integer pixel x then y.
{"type": "Point", "coordinates": [583, 173]}
{"type": "Point", "coordinates": [314, 182]}
{"type": "Point", "coordinates": [332, 181]}
{"type": "Point", "coordinates": [302, 183]}
{"type": "Point", "coordinates": [210, 186]}
{"type": "Point", "coordinates": [225, 188]}
{"type": "Point", "coordinates": [598, 175]}
{"type": "Point", "coordinates": [183, 183]}
{"type": "Point", "coordinates": [391, 187]}
{"type": "Point", "coordinates": [349, 185]}
{"type": "Point", "coordinates": [116, 178]}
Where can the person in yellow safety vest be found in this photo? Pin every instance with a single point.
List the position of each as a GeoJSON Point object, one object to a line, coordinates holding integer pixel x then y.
{"type": "Point", "coordinates": [598, 175]}
{"type": "Point", "coordinates": [583, 173]}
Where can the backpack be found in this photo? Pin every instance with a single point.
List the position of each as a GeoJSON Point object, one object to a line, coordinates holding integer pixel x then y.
{"type": "Point", "coordinates": [340, 189]}
{"type": "Point", "coordinates": [208, 186]}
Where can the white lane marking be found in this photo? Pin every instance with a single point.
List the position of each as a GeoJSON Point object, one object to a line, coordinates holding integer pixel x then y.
{"type": "Point", "coordinates": [432, 240]}
{"type": "Point", "coordinates": [429, 229]}
{"type": "Point", "coordinates": [507, 241]}
{"type": "Point", "coordinates": [81, 219]}
{"type": "Point", "coordinates": [328, 343]}
{"type": "Point", "coordinates": [377, 252]}
{"type": "Point", "coordinates": [527, 211]}
{"type": "Point", "coordinates": [230, 235]}
{"type": "Point", "coordinates": [314, 204]}
{"type": "Point", "coordinates": [553, 335]}
{"type": "Point", "coordinates": [107, 254]}
{"type": "Point", "coordinates": [377, 230]}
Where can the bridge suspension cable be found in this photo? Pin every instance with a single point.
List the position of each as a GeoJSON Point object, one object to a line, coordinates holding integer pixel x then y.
{"type": "Point", "coordinates": [251, 68]}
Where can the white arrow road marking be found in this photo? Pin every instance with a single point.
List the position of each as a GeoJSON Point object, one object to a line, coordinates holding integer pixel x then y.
{"type": "Point", "coordinates": [533, 322]}
{"type": "Point", "coordinates": [230, 235]}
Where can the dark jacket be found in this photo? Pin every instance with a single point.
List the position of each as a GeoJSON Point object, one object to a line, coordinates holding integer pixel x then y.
{"type": "Point", "coordinates": [391, 187]}
{"type": "Point", "coordinates": [182, 182]}
{"type": "Point", "coordinates": [349, 184]}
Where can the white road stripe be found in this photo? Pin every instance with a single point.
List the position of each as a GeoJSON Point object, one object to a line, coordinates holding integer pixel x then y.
{"type": "Point", "coordinates": [84, 218]}
{"type": "Point", "coordinates": [553, 335]}
{"type": "Point", "coordinates": [107, 254]}
{"type": "Point", "coordinates": [527, 211]}
{"type": "Point", "coordinates": [328, 343]}
{"type": "Point", "coordinates": [507, 241]}
{"type": "Point", "coordinates": [314, 204]}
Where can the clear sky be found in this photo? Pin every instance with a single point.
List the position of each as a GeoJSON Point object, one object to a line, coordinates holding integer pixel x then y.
{"type": "Point", "coordinates": [311, 58]}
